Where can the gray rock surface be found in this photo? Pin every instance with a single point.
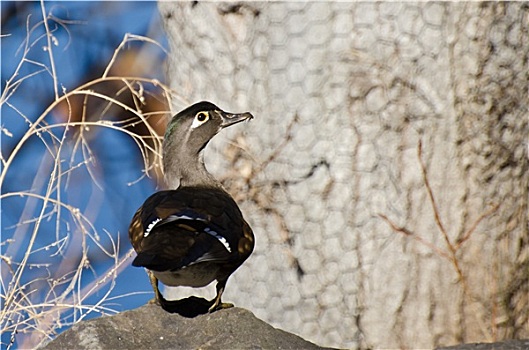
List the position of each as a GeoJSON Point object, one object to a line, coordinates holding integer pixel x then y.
{"type": "Point", "coordinates": [150, 327]}
{"type": "Point", "coordinates": [505, 345]}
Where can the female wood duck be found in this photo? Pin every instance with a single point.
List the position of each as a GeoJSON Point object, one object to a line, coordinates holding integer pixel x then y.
{"type": "Point", "coordinates": [193, 233]}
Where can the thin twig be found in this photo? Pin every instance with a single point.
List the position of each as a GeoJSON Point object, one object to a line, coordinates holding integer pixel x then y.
{"type": "Point", "coordinates": [452, 249]}
{"type": "Point", "coordinates": [49, 49]}
{"type": "Point", "coordinates": [127, 38]}
{"type": "Point", "coordinates": [288, 137]}
{"type": "Point", "coordinates": [432, 198]}
{"type": "Point", "coordinates": [417, 238]}
{"type": "Point", "coordinates": [471, 230]}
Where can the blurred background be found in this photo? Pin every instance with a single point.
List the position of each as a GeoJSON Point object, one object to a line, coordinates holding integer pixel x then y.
{"type": "Point", "coordinates": [72, 184]}
{"type": "Point", "coordinates": [385, 175]}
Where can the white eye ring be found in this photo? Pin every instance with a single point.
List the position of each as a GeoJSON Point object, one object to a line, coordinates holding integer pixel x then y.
{"type": "Point", "coordinates": [200, 118]}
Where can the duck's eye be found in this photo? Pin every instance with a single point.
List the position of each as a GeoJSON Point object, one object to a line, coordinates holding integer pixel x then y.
{"type": "Point", "coordinates": [202, 116]}
{"type": "Point", "coordinates": [200, 119]}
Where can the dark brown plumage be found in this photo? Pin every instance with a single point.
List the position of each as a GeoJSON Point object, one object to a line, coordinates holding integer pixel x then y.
{"type": "Point", "coordinates": [194, 233]}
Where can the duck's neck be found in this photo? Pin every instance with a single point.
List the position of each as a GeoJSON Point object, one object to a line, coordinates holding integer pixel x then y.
{"type": "Point", "coordinates": [185, 169]}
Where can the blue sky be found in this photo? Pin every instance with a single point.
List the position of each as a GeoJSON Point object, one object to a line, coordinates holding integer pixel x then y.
{"type": "Point", "coordinates": [85, 36]}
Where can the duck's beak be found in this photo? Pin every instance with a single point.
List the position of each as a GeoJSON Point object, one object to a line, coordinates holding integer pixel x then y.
{"type": "Point", "coordinates": [234, 118]}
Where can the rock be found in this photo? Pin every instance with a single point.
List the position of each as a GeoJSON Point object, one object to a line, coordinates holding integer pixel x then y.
{"type": "Point", "coordinates": [504, 345]}
{"type": "Point", "coordinates": [150, 327]}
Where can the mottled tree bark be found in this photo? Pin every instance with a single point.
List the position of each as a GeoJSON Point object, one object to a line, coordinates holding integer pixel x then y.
{"type": "Point", "coordinates": [386, 172]}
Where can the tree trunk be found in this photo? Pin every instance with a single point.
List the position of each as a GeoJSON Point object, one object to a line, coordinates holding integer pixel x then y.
{"type": "Point", "coordinates": [386, 172]}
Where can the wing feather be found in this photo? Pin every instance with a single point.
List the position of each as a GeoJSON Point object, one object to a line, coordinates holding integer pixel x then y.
{"type": "Point", "coordinates": [178, 228]}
